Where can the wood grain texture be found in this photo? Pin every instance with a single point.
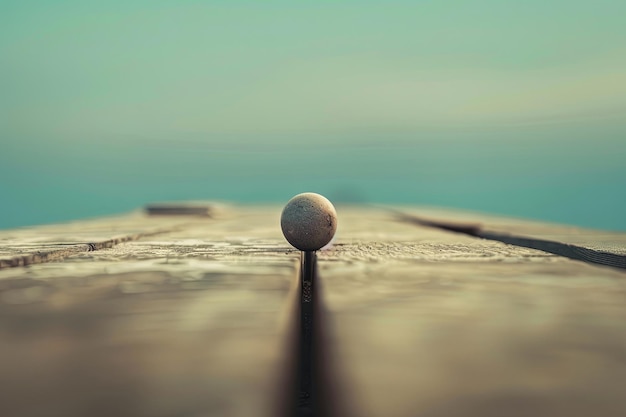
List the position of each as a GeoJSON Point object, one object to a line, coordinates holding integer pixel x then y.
{"type": "Point", "coordinates": [427, 328]}
{"type": "Point", "coordinates": [187, 324]}
{"type": "Point", "coordinates": [418, 321]}
{"type": "Point", "coordinates": [32, 245]}
{"type": "Point", "coordinates": [594, 246]}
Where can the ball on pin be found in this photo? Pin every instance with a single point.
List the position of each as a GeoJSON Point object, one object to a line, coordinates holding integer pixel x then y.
{"type": "Point", "coordinates": [309, 221]}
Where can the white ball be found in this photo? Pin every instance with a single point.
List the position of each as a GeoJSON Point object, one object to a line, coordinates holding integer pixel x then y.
{"type": "Point", "coordinates": [309, 221]}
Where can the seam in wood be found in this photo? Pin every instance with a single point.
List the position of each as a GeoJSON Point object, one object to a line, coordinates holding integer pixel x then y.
{"type": "Point", "coordinates": [305, 401]}
{"type": "Point", "coordinates": [73, 249]}
{"type": "Point", "coordinates": [566, 250]}
{"type": "Point", "coordinates": [316, 392]}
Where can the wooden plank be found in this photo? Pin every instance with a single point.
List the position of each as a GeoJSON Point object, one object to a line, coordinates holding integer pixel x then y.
{"type": "Point", "coordinates": [32, 245]}
{"type": "Point", "coordinates": [37, 244]}
{"type": "Point", "coordinates": [416, 320]}
{"type": "Point", "coordinates": [460, 326]}
{"type": "Point", "coordinates": [595, 246]}
{"type": "Point", "coordinates": [191, 323]}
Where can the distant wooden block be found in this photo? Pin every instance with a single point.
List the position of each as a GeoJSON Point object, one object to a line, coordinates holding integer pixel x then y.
{"type": "Point", "coordinates": [181, 209]}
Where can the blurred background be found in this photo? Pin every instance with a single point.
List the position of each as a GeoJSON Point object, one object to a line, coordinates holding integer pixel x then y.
{"type": "Point", "coordinates": [516, 108]}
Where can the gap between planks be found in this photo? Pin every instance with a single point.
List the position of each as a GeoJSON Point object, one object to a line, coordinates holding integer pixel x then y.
{"type": "Point", "coordinates": [571, 251]}
{"type": "Point", "coordinates": [43, 256]}
{"type": "Point", "coordinates": [315, 389]}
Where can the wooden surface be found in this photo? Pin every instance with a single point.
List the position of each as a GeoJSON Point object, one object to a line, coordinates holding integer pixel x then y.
{"type": "Point", "coordinates": [192, 322]}
{"type": "Point", "coordinates": [194, 316]}
{"type": "Point", "coordinates": [425, 324]}
{"type": "Point", "coordinates": [32, 245]}
{"type": "Point", "coordinates": [595, 246]}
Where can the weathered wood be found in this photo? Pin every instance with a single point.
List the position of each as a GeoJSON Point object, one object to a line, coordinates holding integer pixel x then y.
{"type": "Point", "coordinates": [32, 245]}
{"type": "Point", "coordinates": [595, 246]}
{"type": "Point", "coordinates": [428, 328]}
{"type": "Point", "coordinates": [194, 322]}
{"type": "Point", "coordinates": [198, 320]}
{"type": "Point", "coordinates": [198, 208]}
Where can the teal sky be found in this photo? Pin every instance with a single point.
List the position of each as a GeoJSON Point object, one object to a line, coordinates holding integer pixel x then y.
{"type": "Point", "coordinates": [531, 94]}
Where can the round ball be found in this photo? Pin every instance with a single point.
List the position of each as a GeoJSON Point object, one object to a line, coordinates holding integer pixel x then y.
{"type": "Point", "coordinates": [309, 221]}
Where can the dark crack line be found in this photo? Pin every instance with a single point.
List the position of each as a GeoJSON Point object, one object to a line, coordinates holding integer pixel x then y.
{"type": "Point", "coordinates": [574, 252]}
{"type": "Point", "coordinates": [316, 392]}
{"type": "Point", "coordinates": [305, 401]}
{"type": "Point", "coordinates": [43, 256]}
